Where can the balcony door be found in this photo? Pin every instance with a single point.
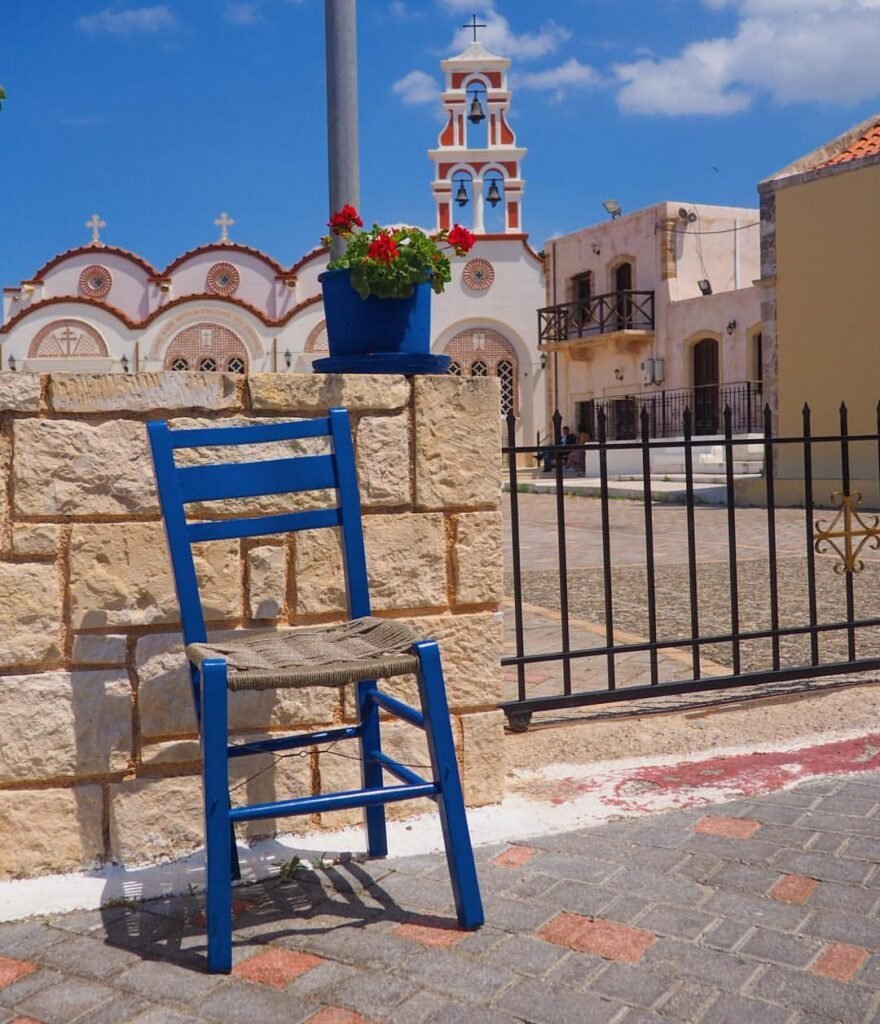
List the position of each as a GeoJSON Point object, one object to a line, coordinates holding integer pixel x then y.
{"type": "Point", "coordinates": [623, 282]}
{"type": "Point", "coordinates": [706, 389]}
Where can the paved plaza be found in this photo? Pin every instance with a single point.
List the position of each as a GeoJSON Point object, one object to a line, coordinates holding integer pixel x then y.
{"type": "Point", "coordinates": [759, 911]}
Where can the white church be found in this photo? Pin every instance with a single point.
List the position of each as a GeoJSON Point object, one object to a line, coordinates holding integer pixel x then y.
{"type": "Point", "coordinates": [228, 307]}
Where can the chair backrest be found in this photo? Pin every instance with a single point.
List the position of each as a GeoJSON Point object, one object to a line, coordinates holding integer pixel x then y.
{"type": "Point", "coordinates": [179, 486]}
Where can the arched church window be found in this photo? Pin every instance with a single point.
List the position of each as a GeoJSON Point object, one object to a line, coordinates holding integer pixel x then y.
{"type": "Point", "coordinates": [207, 347]}
{"type": "Point", "coordinates": [485, 352]}
{"type": "Point", "coordinates": [505, 375]}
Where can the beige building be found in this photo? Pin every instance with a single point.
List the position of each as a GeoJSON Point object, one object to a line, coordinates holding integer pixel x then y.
{"type": "Point", "coordinates": [819, 262]}
{"type": "Point", "coordinates": [656, 309]}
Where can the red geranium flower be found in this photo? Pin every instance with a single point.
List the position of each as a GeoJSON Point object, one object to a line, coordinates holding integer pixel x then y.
{"type": "Point", "coordinates": [461, 240]}
{"type": "Point", "coordinates": [344, 220]}
{"type": "Point", "coordinates": [383, 248]}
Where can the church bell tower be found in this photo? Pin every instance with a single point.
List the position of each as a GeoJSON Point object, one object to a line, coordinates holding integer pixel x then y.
{"type": "Point", "coordinates": [468, 174]}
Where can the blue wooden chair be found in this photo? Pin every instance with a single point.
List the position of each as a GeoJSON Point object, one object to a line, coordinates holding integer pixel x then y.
{"type": "Point", "coordinates": [359, 651]}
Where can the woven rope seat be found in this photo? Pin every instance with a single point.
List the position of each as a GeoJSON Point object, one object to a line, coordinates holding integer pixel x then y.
{"type": "Point", "coordinates": [349, 652]}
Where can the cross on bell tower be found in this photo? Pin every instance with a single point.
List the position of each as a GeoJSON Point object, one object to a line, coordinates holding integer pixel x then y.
{"type": "Point", "coordinates": [95, 224]}
{"type": "Point", "coordinates": [468, 173]}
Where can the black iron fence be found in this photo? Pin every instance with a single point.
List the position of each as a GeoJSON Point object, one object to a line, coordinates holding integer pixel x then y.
{"type": "Point", "coordinates": [624, 310]}
{"type": "Point", "coordinates": [766, 617]}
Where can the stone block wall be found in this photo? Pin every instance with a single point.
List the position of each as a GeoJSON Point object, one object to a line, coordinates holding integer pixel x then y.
{"type": "Point", "coordinates": [98, 758]}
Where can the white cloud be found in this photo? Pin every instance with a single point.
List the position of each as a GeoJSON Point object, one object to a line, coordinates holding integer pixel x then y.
{"type": "Point", "coordinates": [559, 80]}
{"type": "Point", "coordinates": [822, 51]}
{"type": "Point", "coordinates": [402, 11]}
{"type": "Point", "coordinates": [416, 88]}
{"type": "Point", "coordinates": [242, 14]}
{"type": "Point", "coordinates": [129, 22]}
{"type": "Point", "coordinates": [498, 37]}
{"type": "Point", "coordinates": [466, 6]}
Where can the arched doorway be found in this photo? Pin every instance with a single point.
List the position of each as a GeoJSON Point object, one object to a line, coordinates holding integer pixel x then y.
{"type": "Point", "coordinates": [483, 352]}
{"type": "Point", "coordinates": [706, 392]}
{"type": "Point", "coordinates": [208, 347]}
{"type": "Point", "coordinates": [623, 282]}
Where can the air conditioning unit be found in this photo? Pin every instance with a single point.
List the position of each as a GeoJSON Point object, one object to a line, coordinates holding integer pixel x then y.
{"type": "Point", "coordinates": [648, 371]}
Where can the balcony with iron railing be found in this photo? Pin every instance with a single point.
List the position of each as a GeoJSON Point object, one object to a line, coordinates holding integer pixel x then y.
{"type": "Point", "coordinates": [624, 310]}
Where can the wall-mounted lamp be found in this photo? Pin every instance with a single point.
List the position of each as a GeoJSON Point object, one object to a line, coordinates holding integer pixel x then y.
{"type": "Point", "coordinates": [613, 207]}
{"type": "Point", "coordinates": [123, 362]}
{"type": "Point", "coordinates": [164, 286]}
{"type": "Point", "coordinates": [731, 326]}
{"type": "Point", "coordinates": [618, 373]}
{"type": "Point", "coordinates": [595, 248]}
{"type": "Point", "coordinates": [291, 281]}
{"type": "Point", "coordinates": [705, 286]}
{"type": "Point", "coordinates": [288, 358]}
{"type": "Point", "coordinates": [543, 360]}
{"type": "Point", "coordinates": [11, 362]}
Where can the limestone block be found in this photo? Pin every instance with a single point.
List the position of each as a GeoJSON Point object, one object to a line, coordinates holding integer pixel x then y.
{"type": "Point", "coordinates": [176, 752]}
{"type": "Point", "coordinates": [50, 831]}
{"type": "Point", "coordinates": [64, 724]}
{"type": "Point", "coordinates": [267, 581]}
{"type": "Point", "coordinates": [120, 575]}
{"type": "Point", "coordinates": [158, 819]}
{"type": "Point", "coordinates": [165, 702]}
{"type": "Point", "coordinates": [336, 775]}
{"type": "Point", "coordinates": [318, 574]}
{"type": "Point", "coordinates": [383, 461]}
{"type": "Point", "coordinates": [36, 540]}
{"type": "Point", "coordinates": [155, 819]}
{"type": "Point", "coordinates": [482, 757]}
{"type": "Point", "coordinates": [477, 558]}
{"type": "Point", "coordinates": [458, 456]}
{"type": "Point", "coordinates": [141, 392]}
{"type": "Point", "coordinates": [406, 561]}
{"type": "Point", "coordinates": [470, 649]}
{"type": "Point", "coordinates": [30, 613]}
{"type": "Point", "coordinates": [268, 504]}
{"type": "Point", "coordinates": [94, 649]}
{"type": "Point", "coordinates": [19, 392]}
{"type": "Point", "coordinates": [66, 467]}
{"type": "Point", "coordinates": [310, 394]}
{"type": "Point", "coordinates": [409, 746]}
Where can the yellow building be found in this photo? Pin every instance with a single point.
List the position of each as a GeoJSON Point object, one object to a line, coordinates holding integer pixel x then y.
{"type": "Point", "coordinates": [820, 242]}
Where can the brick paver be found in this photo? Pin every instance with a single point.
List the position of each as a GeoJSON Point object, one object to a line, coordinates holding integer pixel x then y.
{"type": "Point", "coordinates": [690, 926]}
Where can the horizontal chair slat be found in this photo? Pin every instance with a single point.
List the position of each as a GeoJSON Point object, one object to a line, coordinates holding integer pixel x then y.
{"type": "Point", "coordinates": [348, 732]}
{"type": "Point", "coordinates": [255, 479]}
{"type": "Point", "coordinates": [223, 529]}
{"type": "Point", "coordinates": [332, 802]}
{"type": "Point", "coordinates": [260, 433]}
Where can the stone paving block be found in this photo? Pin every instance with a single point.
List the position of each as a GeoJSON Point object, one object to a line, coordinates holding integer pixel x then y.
{"type": "Point", "coordinates": [664, 919]}
{"type": "Point", "coordinates": [698, 867]}
{"type": "Point", "coordinates": [581, 869]}
{"type": "Point", "coordinates": [750, 878]}
{"type": "Point", "coordinates": [631, 984]}
{"type": "Point", "coordinates": [363, 948]}
{"type": "Point", "coordinates": [516, 915]}
{"type": "Point", "coordinates": [374, 995]}
{"type": "Point", "coordinates": [527, 1000]}
{"type": "Point", "coordinates": [453, 975]}
{"type": "Point", "coordinates": [421, 1008]}
{"type": "Point", "coordinates": [729, 828]}
{"type": "Point", "coordinates": [827, 842]}
{"type": "Point", "coordinates": [161, 1015]}
{"type": "Point", "coordinates": [87, 957]}
{"type": "Point", "coordinates": [726, 935]}
{"type": "Point", "coordinates": [687, 1000]}
{"type": "Point", "coordinates": [176, 984]}
{"type": "Point", "coordinates": [729, 1009]}
{"type": "Point", "coordinates": [575, 970]}
{"type": "Point", "coordinates": [816, 865]}
{"type": "Point", "coordinates": [65, 1002]}
{"type": "Point", "coordinates": [529, 886]}
{"type": "Point", "coordinates": [121, 1010]}
{"type": "Point", "coordinates": [578, 897]}
{"type": "Point", "coordinates": [707, 966]}
{"type": "Point", "coordinates": [753, 851]}
{"type": "Point", "coordinates": [525, 955]}
{"type": "Point", "coordinates": [756, 910]}
{"type": "Point", "coordinates": [666, 888]}
{"type": "Point", "coordinates": [843, 927]}
{"type": "Point", "coordinates": [840, 962]}
{"type": "Point", "coordinates": [801, 990]}
{"type": "Point", "coordinates": [851, 899]}
{"type": "Point", "coordinates": [239, 1002]}
{"type": "Point", "coordinates": [843, 824]}
{"type": "Point", "coordinates": [777, 947]}
{"type": "Point", "coordinates": [793, 889]}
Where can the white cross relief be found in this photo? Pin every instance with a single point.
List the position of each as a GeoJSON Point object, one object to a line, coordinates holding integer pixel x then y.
{"type": "Point", "coordinates": [224, 222]}
{"type": "Point", "coordinates": [96, 224]}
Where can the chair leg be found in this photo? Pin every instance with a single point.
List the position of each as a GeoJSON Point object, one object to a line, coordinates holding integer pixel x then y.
{"type": "Point", "coordinates": [371, 772]}
{"type": "Point", "coordinates": [218, 835]}
{"type": "Point", "coordinates": [450, 800]}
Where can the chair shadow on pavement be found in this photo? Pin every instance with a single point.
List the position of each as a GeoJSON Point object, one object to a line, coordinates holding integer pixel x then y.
{"type": "Point", "coordinates": [299, 912]}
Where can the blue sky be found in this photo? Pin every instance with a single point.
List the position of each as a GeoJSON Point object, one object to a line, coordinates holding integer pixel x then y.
{"type": "Point", "coordinates": [158, 115]}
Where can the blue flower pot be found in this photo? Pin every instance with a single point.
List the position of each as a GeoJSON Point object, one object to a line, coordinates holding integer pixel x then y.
{"type": "Point", "coordinates": [376, 335]}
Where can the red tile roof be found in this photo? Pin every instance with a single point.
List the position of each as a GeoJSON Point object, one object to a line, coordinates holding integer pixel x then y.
{"type": "Point", "coordinates": [867, 144]}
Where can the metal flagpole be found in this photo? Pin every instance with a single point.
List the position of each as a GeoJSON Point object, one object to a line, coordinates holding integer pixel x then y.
{"type": "Point", "coordinates": [342, 119]}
